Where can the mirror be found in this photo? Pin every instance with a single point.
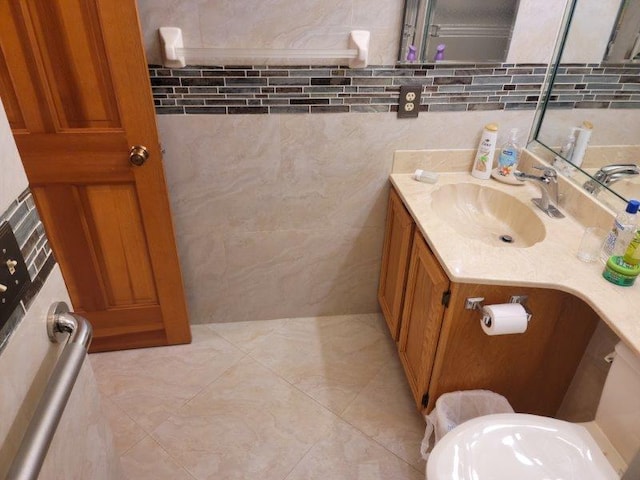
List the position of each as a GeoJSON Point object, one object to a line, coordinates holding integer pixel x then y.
{"type": "Point", "coordinates": [457, 30]}
{"type": "Point", "coordinates": [595, 81]}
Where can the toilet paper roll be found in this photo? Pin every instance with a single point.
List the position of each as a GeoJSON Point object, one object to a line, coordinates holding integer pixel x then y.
{"type": "Point", "coordinates": [504, 319]}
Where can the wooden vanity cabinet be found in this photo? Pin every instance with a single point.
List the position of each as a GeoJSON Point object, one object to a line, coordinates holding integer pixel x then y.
{"type": "Point", "coordinates": [443, 348]}
{"type": "Point", "coordinates": [395, 262]}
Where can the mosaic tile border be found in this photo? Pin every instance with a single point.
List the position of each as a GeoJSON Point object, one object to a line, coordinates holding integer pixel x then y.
{"type": "Point", "coordinates": [595, 85]}
{"type": "Point", "coordinates": [228, 90]}
{"type": "Point", "coordinates": [34, 246]}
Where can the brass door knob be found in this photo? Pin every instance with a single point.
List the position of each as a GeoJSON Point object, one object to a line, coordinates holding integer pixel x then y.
{"type": "Point", "coordinates": [138, 155]}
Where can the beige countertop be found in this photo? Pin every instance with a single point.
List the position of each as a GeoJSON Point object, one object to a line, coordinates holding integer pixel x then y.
{"type": "Point", "coordinates": [551, 263]}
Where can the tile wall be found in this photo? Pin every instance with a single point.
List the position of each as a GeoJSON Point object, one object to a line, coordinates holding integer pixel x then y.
{"type": "Point", "coordinates": [24, 220]}
{"type": "Point", "coordinates": [446, 87]}
{"type": "Point", "coordinates": [280, 216]}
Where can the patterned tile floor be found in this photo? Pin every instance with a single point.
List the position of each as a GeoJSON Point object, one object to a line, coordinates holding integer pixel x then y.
{"type": "Point", "coordinates": [303, 398]}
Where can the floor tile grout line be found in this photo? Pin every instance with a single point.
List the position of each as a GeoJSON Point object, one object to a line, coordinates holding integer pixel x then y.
{"type": "Point", "coordinates": [244, 355]}
{"type": "Point", "coordinates": [248, 354]}
{"type": "Point", "coordinates": [175, 460]}
{"type": "Point", "coordinates": [337, 415]}
{"type": "Point", "coordinates": [383, 365]}
{"type": "Point", "coordinates": [152, 430]}
{"type": "Point", "coordinates": [124, 411]}
{"type": "Point", "coordinates": [364, 433]}
{"type": "Point", "coordinates": [302, 457]}
{"type": "Point", "coordinates": [284, 323]}
{"type": "Point", "coordinates": [355, 427]}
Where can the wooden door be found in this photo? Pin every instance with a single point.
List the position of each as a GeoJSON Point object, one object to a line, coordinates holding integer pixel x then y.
{"type": "Point", "coordinates": [422, 317]}
{"type": "Point", "coordinates": [395, 262]}
{"type": "Point", "coordinates": [74, 82]}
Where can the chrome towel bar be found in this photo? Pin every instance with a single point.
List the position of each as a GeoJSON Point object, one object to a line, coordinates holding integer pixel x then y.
{"type": "Point", "coordinates": [61, 325]}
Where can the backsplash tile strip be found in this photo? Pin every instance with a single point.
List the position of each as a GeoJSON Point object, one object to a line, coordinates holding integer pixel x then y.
{"type": "Point", "coordinates": [237, 89]}
{"type": "Point", "coordinates": [36, 252]}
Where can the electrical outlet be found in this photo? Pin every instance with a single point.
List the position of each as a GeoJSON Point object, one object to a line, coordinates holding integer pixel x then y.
{"type": "Point", "coordinates": [409, 106]}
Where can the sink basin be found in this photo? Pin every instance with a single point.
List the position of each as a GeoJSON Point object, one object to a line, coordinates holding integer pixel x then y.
{"type": "Point", "coordinates": [487, 214]}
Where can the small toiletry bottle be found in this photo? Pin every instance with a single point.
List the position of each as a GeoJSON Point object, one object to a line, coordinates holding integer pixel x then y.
{"type": "Point", "coordinates": [560, 162]}
{"type": "Point", "coordinates": [582, 142]}
{"type": "Point", "coordinates": [622, 231]}
{"type": "Point", "coordinates": [483, 162]}
{"type": "Point", "coordinates": [411, 54]}
{"type": "Point", "coordinates": [439, 52]}
{"type": "Point", "coordinates": [509, 154]}
{"type": "Point", "coordinates": [425, 176]}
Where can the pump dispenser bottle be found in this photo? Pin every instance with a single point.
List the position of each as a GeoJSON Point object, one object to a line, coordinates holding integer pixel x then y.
{"type": "Point", "coordinates": [509, 155]}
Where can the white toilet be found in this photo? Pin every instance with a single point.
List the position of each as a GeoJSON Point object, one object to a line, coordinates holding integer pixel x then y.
{"type": "Point", "coordinates": [530, 447]}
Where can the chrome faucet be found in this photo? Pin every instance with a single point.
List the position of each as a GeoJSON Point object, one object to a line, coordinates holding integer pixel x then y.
{"type": "Point", "coordinates": [610, 174]}
{"type": "Point", "coordinates": [548, 183]}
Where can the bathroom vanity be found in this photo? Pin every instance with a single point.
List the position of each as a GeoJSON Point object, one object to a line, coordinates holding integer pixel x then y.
{"type": "Point", "coordinates": [429, 268]}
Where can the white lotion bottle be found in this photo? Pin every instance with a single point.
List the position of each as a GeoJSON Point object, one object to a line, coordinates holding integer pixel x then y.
{"type": "Point", "coordinates": [483, 161]}
{"type": "Point", "coordinates": [582, 142]}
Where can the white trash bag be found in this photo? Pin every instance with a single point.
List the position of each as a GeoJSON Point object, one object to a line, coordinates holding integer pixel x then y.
{"type": "Point", "coordinates": [454, 408]}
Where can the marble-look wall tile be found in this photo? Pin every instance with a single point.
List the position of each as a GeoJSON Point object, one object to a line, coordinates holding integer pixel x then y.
{"type": "Point", "coordinates": [154, 14]}
{"type": "Point", "coordinates": [17, 398]}
{"type": "Point", "coordinates": [283, 24]}
{"type": "Point", "coordinates": [535, 30]}
{"type": "Point", "coordinates": [82, 447]}
{"type": "Point", "coordinates": [590, 31]}
{"type": "Point", "coordinates": [13, 180]}
{"type": "Point", "coordinates": [316, 24]}
{"type": "Point", "coordinates": [283, 216]}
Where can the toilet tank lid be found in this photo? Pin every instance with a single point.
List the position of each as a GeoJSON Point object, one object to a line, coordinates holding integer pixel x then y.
{"type": "Point", "coordinates": [629, 357]}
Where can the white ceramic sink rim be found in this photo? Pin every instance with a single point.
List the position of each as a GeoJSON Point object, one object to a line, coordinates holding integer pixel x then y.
{"type": "Point", "coordinates": [486, 214]}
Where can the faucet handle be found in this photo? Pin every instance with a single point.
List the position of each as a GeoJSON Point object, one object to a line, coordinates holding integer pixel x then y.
{"type": "Point", "coordinates": [548, 172]}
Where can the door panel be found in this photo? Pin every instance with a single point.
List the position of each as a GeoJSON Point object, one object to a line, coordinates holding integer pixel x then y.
{"type": "Point", "coordinates": [116, 226]}
{"type": "Point", "coordinates": [76, 80]}
{"type": "Point", "coordinates": [422, 317]}
{"type": "Point", "coordinates": [75, 63]}
{"type": "Point", "coordinates": [395, 262]}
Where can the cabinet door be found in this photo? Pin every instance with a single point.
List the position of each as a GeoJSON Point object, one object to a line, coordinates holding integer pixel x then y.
{"type": "Point", "coordinates": [395, 262]}
{"type": "Point", "coordinates": [421, 317]}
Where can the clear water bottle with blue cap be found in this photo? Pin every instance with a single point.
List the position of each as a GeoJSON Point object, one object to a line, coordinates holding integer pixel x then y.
{"type": "Point", "coordinates": [622, 232]}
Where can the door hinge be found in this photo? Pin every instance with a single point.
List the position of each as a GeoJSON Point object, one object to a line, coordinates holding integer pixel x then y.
{"type": "Point", "coordinates": [446, 296]}
{"type": "Point", "coordinates": [425, 399]}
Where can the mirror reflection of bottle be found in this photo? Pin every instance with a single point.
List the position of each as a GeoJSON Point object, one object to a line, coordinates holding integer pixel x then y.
{"type": "Point", "coordinates": [411, 54]}
{"type": "Point", "coordinates": [561, 161]}
{"type": "Point", "coordinates": [439, 52]}
{"type": "Point", "coordinates": [582, 142]}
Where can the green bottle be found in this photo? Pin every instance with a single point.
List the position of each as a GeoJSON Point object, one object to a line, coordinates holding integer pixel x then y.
{"type": "Point", "coordinates": [632, 254]}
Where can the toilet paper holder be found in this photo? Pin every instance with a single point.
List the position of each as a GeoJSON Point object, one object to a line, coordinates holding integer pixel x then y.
{"type": "Point", "coordinates": [476, 303]}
